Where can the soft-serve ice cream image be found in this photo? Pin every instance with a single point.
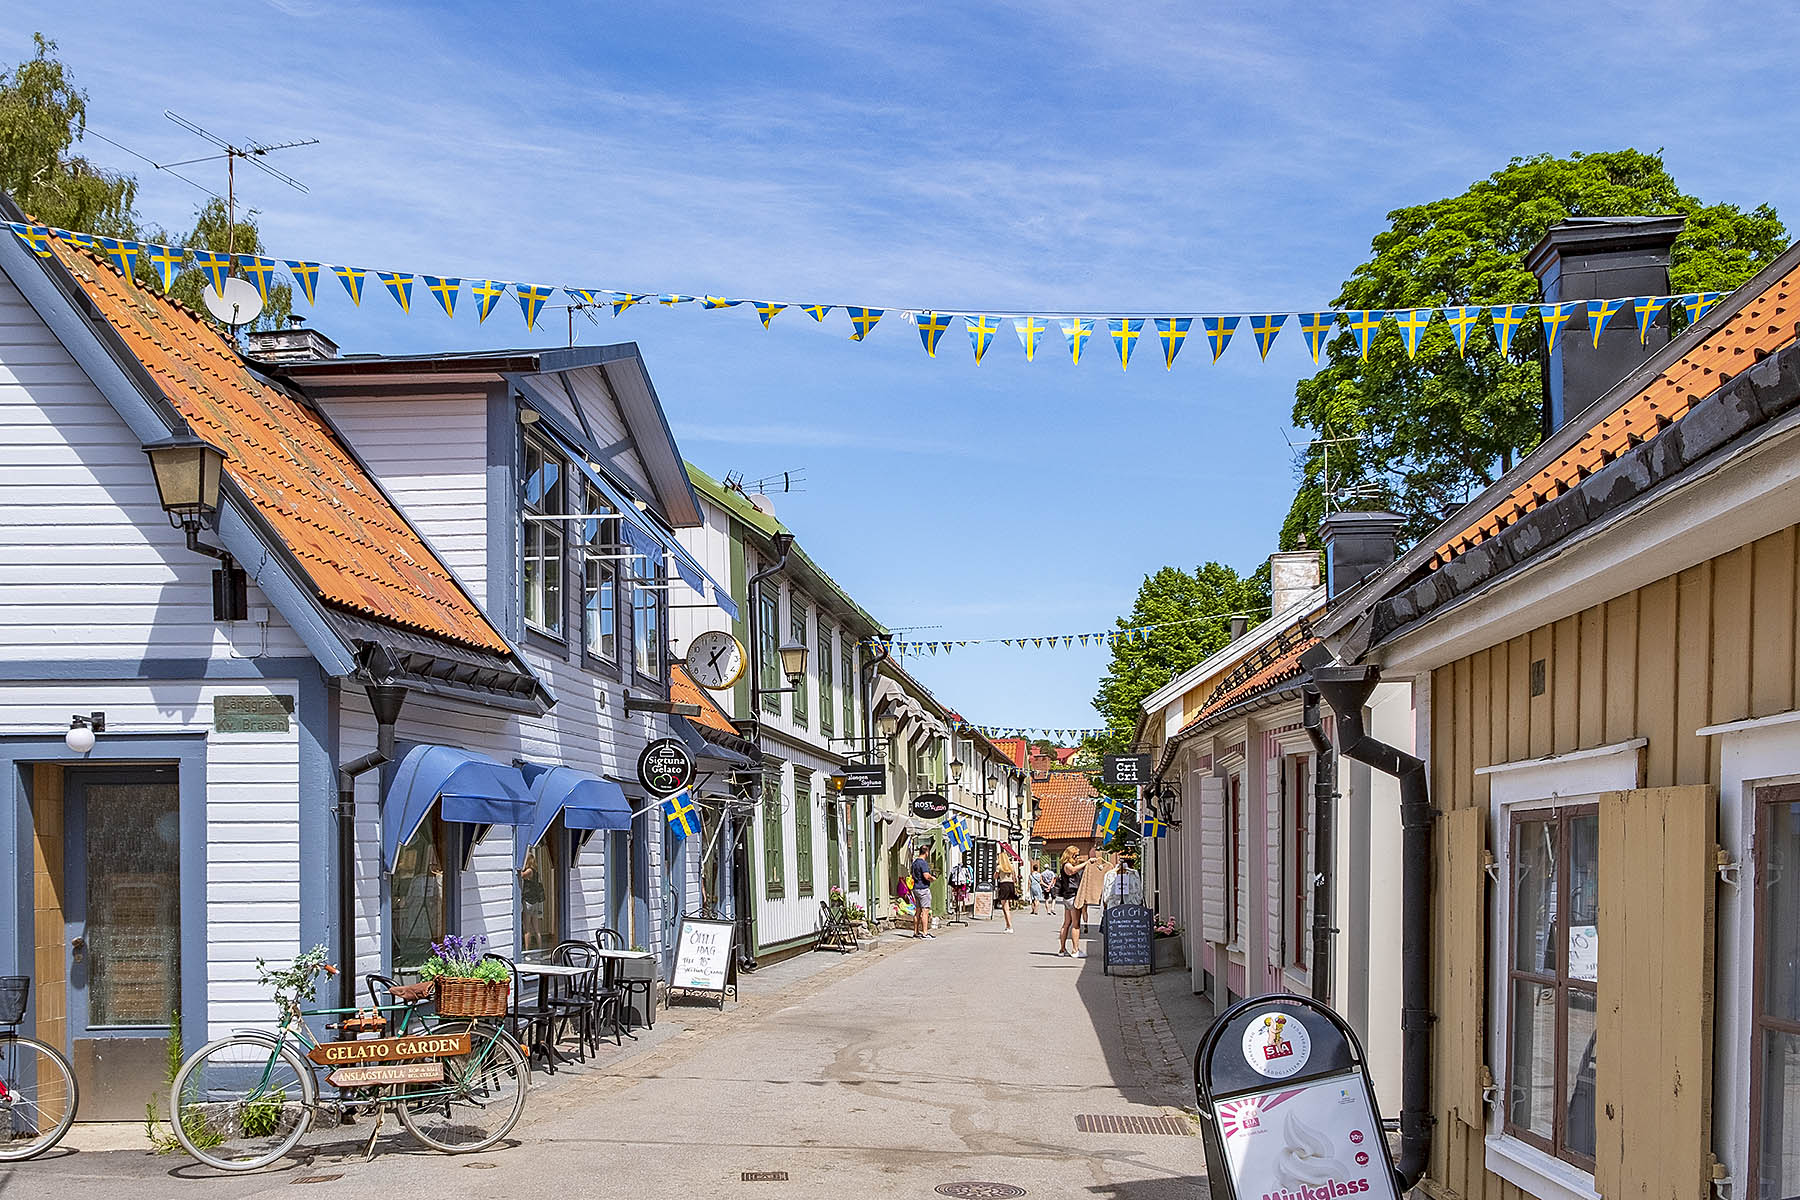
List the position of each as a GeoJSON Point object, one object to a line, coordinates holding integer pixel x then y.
{"type": "Point", "coordinates": [1306, 1157]}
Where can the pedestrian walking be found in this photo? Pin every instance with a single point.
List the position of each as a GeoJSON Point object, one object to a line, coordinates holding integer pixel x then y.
{"type": "Point", "coordinates": [921, 887]}
{"type": "Point", "coordinates": [1093, 885]}
{"type": "Point", "coordinates": [1006, 887]}
{"type": "Point", "coordinates": [1038, 895]}
{"type": "Point", "coordinates": [1068, 885]}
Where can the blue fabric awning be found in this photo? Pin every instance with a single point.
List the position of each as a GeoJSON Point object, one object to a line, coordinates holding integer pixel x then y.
{"type": "Point", "coordinates": [643, 534]}
{"type": "Point", "coordinates": [586, 802]}
{"type": "Point", "coordinates": [467, 787]}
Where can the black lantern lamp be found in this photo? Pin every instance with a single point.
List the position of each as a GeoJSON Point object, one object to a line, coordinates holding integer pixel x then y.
{"type": "Point", "coordinates": [187, 470]}
{"type": "Point", "coordinates": [793, 660]}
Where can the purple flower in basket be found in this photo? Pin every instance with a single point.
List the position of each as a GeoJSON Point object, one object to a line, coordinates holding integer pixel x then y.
{"type": "Point", "coordinates": [460, 954]}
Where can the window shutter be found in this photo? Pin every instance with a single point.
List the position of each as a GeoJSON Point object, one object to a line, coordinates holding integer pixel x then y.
{"type": "Point", "coordinates": [1213, 859]}
{"type": "Point", "coordinates": [1463, 1007]}
{"type": "Point", "coordinates": [1654, 1027]}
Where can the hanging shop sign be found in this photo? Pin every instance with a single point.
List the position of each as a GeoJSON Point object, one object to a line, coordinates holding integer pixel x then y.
{"type": "Point", "coordinates": [379, 1050]}
{"type": "Point", "coordinates": [861, 780]}
{"type": "Point", "coordinates": [1125, 770]}
{"type": "Point", "coordinates": [665, 767]}
{"type": "Point", "coordinates": [1287, 1109]}
{"type": "Point", "coordinates": [930, 807]}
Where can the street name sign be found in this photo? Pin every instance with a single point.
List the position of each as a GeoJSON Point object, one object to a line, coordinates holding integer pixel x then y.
{"type": "Point", "coordinates": [432, 1045]}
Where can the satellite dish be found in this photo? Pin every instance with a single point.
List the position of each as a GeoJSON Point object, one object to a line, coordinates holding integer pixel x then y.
{"type": "Point", "coordinates": [238, 305]}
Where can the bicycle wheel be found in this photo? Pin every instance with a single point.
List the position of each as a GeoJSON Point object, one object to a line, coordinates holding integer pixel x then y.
{"type": "Point", "coordinates": [480, 1099]}
{"type": "Point", "coordinates": [37, 1098]}
{"type": "Point", "coordinates": [242, 1102]}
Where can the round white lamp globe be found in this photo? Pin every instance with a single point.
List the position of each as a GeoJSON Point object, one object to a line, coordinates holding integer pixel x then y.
{"type": "Point", "coordinates": [80, 739]}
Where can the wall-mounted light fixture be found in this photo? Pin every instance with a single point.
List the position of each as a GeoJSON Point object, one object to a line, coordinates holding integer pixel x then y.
{"type": "Point", "coordinates": [80, 737]}
{"type": "Point", "coordinates": [187, 470]}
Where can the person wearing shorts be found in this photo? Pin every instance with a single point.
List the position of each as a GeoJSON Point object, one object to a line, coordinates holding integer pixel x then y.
{"type": "Point", "coordinates": [921, 887]}
{"type": "Point", "coordinates": [1006, 887]}
{"type": "Point", "coordinates": [1037, 890]}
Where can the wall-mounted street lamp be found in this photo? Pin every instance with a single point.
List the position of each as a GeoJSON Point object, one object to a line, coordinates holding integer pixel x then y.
{"type": "Point", "coordinates": [888, 724]}
{"type": "Point", "coordinates": [187, 470]}
{"type": "Point", "coordinates": [956, 770]}
{"type": "Point", "coordinates": [80, 737]}
{"type": "Point", "coordinates": [793, 662]}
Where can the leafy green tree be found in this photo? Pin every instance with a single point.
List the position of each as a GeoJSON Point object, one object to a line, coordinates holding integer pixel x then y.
{"type": "Point", "coordinates": [1433, 430]}
{"type": "Point", "coordinates": [1141, 666]}
{"type": "Point", "coordinates": [42, 115]}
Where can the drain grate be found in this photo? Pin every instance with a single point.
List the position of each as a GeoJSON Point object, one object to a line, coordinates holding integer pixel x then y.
{"type": "Point", "coordinates": [1109, 1123]}
{"type": "Point", "coordinates": [765, 1177]}
{"type": "Point", "coordinates": [328, 1177]}
{"type": "Point", "coordinates": [980, 1191]}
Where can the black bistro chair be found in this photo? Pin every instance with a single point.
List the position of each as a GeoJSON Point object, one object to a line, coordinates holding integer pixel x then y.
{"type": "Point", "coordinates": [527, 1021]}
{"type": "Point", "coordinates": [612, 939]}
{"type": "Point", "coordinates": [579, 1000]}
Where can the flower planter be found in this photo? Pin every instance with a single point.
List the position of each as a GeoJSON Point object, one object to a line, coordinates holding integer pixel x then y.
{"type": "Point", "coordinates": [1166, 952]}
{"type": "Point", "coordinates": [457, 997]}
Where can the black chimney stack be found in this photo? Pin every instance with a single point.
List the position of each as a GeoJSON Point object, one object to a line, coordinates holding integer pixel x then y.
{"type": "Point", "coordinates": [1596, 258]}
{"type": "Point", "coordinates": [1357, 544]}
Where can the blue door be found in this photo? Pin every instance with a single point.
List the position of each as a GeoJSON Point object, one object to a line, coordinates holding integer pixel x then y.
{"type": "Point", "coordinates": [122, 906]}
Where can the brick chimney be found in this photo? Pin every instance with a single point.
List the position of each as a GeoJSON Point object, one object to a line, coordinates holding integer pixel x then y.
{"type": "Point", "coordinates": [1595, 258]}
{"type": "Point", "coordinates": [1357, 544]}
{"type": "Point", "coordinates": [292, 344]}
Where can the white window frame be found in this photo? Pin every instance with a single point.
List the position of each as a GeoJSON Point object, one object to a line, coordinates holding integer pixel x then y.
{"type": "Point", "coordinates": [1539, 784]}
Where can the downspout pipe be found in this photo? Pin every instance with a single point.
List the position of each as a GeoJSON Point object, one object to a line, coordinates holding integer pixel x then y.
{"type": "Point", "coordinates": [1324, 802]}
{"type": "Point", "coordinates": [783, 542]}
{"type": "Point", "coordinates": [385, 699]}
{"type": "Point", "coordinates": [1347, 690]}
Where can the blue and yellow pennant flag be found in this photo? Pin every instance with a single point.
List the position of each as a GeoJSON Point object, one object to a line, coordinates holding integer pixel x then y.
{"type": "Point", "coordinates": [1264, 329]}
{"type": "Point", "coordinates": [487, 293]}
{"type": "Point", "coordinates": [1646, 309]}
{"type": "Point", "coordinates": [1316, 327]}
{"type": "Point", "coordinates": [1463, 319]}
{"type": "Point", "coordinates": [1155, 827]}
{"type": "Point", "coordinates": [1077, 330]}
{"type": "Point", "coordinates": [584, 296]}
{"type": "Point", "coordinates": [86, 241]}
{"type": "Point", "coordinates": [1364, 324]}
{"type": "Point", "coordinates": [864, 319]}
{"type": "Point", "coordinates": [1218, 333]}
{"type": "Point", "coordinates": [1125, 333]}
{"type": "Point", "coordinates": [445, 290]}
{"type": "Point", "coordinates": [123, 253]}
{"type": "Point", "coordinates": [1507, 319]}
{"type": "Point", "coordinates": [816, 311]}
{"type": "Point", "coordinates": [1029, 329]}
{"type": "Point", "coordinates": [1172, 332]}
{"type": "Point", "coordinates": [352, 278]}
{"type": "Point", "coordinates": [682, 814]}
{"type": "Point", "coordinates": [216, 266]}
{"type": "Point", "coordinates": [1412, 324]}
{"type": "Point", "coordinates": [981, 334]}
{"type": "Point", "coordinates": [531, 301]}
{"type": "Point", "coordinates": [1600, 313]}
{"type": "Point", "coordinates": [931, 329]}
{"type": "Point", "coordinates": [306, 274]}
{"type": "Point", "coordinates": [1554, 316]}
{"type": "Point", "coordinates": [671, 299]}
{"type": "Point", "coordinates": [718, 302]}
{"type": "Point", "coordinates": [165, 262]}
{"type": "Point", "coordinates": [623, 300]}
{"type": "Point", "coordinates": [399, 286]}
{"type": "Point", "coordinates": [1698, 304]}
{"type": "Point", "coordinates": [35, 236]}
{"type": "Point", "coordinates": [259, 271]}
{"type": "Point", "coordinates": [767, 310]}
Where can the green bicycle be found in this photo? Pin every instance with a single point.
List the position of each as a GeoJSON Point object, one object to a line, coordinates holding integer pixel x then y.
{"type": "Point", "coordinates": [245, 1100]}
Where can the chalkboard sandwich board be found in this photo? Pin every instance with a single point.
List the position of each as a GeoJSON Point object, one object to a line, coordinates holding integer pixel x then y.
{"type": "Point", "coordinates": [1125, 937]}
{"type": "Point", "coordinates": [703, 958]}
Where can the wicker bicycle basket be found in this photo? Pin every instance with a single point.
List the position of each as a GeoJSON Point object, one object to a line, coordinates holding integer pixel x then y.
{"type": "Point", "coordinates": [471, 998]}
{"type": "Point", "coordinates": [14, 989]}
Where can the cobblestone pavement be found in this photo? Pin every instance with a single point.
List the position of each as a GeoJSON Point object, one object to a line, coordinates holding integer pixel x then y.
{"type": "Point", "coordinates": [890, 1071]}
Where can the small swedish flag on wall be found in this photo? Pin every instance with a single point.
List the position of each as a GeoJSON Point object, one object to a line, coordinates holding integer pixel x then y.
{"type": "Point", "coordinates": [682, 814]}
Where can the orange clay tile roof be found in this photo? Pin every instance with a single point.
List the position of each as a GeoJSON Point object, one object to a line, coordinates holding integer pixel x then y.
{"type": "Point", "coordinates": [1283, 668]}
{"type": "Point", "coordinates": [355, 547]}
{"type": "Point", "coordinates": [683, 690]}
{"type": "Point", "coordinates": [1764, 324]}
{"type": "Point", "coordinates": [1065, 806]}
{"type": "Point", "coordinates": [1013, 748]}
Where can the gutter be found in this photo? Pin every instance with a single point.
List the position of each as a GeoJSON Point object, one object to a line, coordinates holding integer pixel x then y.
{"type": "Point", "coordinates": [385, 699]}
{"type": "Point", "coordinates": [1347, 690]}
{"type": "Point", "coordinates": [1324, 801]}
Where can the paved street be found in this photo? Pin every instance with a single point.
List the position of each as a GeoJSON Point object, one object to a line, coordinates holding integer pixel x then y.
{"type": "Point", "coordinates": [888, 1072]}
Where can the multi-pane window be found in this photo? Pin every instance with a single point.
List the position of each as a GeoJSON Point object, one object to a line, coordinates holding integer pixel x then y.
{"type": "Point", "coordinates": [419, 908]}
{"type": "Point", "coordinates": [540, 893]}
{"type": "Point", "coordinates": [1234, 875]}
{"type": "Point", "coordinates": [848, 687]}
{"type": "Point", "coordinates": [1299, 857]}
{"type": "Point", "coordinates": [646, 619]}
{"type": "Point", "coordinates": [599, 578]}
{"type": "Point", "coordinates": [1775, 1063]}
{"type": "Point", "coordinates": [797, 631]}
{"type": "Point", "coordinates": [827, 702]}
{"type": "Point", "coordinates": [768, 651]}
{"type": "Point", "coordinates": [833, 844]}
{"type": "Point", "coordinates": [542, 506]}
{"type": "Point", "coordinates": [773, 876]}
{"type": "Point", "coordinates": [1552, 967]}
{"type": "Point", "coordinates": [803, 831]}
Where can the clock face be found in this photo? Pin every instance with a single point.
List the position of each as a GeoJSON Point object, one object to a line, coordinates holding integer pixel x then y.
{"type": "Point", "coordinates": [715, 660]}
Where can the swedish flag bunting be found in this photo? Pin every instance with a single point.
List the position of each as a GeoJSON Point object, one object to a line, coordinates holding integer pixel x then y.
{"type": "Point", "coordinates": [718, 302]}
{"type": "Point", "coordinates": [487, 293]}
{"type": "Point", "coordinates": [165, 262]}
{"type": "Point", "coordinates": [1264, 329]}
{"type": "Point", "coordinates": [816, 311]}
{"type": "Point", "coordinates": [531, 301]}
{"type": "Point", "coordinates": [1412, 324]}
{"type": "Point", "coordinates": [1364, 324]}
{"type": "Point", "coordinates": [1077, 330]}
{"type": "Point", "coordinates": [1029, 329]}
{"type": "Point", "coordinates": [259, 271]}
{"type": "Point", "coordinates": [671, 299]}
{"type": "Point", "coordinates": [621, 301]}
{"type": "Point", "coordinates": [981, 334]}
{"type": "Point", "coordinates": [1646, 309]}
{"type": "Point", "coordinates": [1461, 320]}
{"type": "Point", "coordinates": [35, 236]}
{"type": "Point", "coordinates": [216, 266]}
{"type": "Point", "coordinates": [1554, 317]}
{"type": "Point", "coordinates": [931, 329]}
{"type": "Point", "coordinates": [682, 814]}
{"type": "Point", "coordinates": [1172, 332]}
{"type": "Point", "coordinates": [1698, 304]}
{"type": "Point", "coordinates": [767, 310]}
{"type": "Point", "coordinates": [124, 255]}
{"type": "Point", "coordinates": [1600, 313]}
{"type": "Point", "coordinates": [583, 296]}
{"type": "Point", "coordinates": [352, 278]}
{"type": "Point", "coordinates": [1507, 318]}
{"type": "Point", "coordinates": [1125, 333]}
{"type": "Point", "coordinates": [1316, 327]}
{"type": "Point", "coordinates": [399, 286]}
{"type": "Point", "coordinates": [445, 290]}
{"type": "Point", "coordinates": [863, 319]}
{"type": "Point", "coordinates": [306, 274]}
{"type": "Point", "coordinates": [86, 241]}
{"type": "Point", "coordinates": [1218, 333]}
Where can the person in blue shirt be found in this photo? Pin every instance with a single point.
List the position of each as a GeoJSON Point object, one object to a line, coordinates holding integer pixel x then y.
{"type": "Point", "coordinates": [921, 886]}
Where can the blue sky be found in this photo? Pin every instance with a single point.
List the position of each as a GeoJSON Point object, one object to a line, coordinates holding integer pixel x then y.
{"type": "Point", "coordinates": [1004, 157]}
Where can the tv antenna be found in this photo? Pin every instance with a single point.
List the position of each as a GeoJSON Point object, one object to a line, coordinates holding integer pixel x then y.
{"type": "Point", "coordinates": [251, 152]}
{"type": "Point", "coordinates": [1336, 497]}
{"type": "Point", "coordinates": [768, 485]}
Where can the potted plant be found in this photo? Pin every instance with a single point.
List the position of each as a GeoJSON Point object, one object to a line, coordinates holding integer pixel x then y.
{"type": "Point", "coordinates": [1165, 943]}
{"type": "Point", "coordinates": [467, 984]}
